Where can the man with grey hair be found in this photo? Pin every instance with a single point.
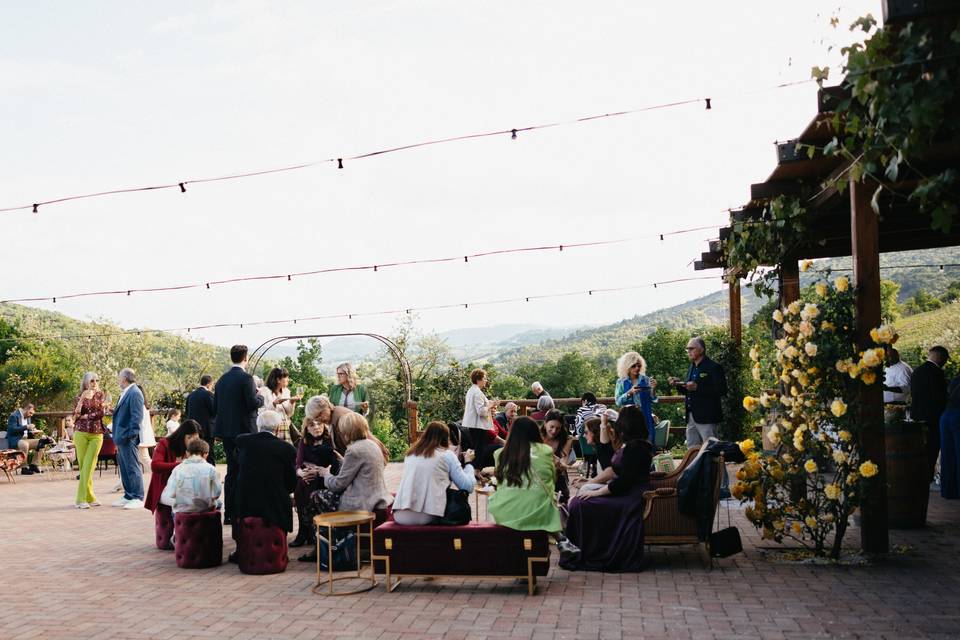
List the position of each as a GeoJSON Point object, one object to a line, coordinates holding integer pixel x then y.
{"type": "Point", "coordinates": [127, 416]}
{"type": "Point", "coordinates": [704, 388]}
{"type": "Point", "coordinates": [537, 389]}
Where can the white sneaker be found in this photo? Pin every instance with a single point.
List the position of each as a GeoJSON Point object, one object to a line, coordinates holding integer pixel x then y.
{"type": "Point", "coordinates": [134, 504]}
{"type": "Point", "coordinates": [82, 505]}
{"type": "Point", "coordinates": [120, 503]}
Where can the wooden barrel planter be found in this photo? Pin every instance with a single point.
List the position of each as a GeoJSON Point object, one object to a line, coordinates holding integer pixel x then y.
{"type": "Point", "coordinates": [908, 488]}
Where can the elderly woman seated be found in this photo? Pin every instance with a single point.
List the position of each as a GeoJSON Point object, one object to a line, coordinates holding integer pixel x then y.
{"type": "Point", "coordinates": [428, 469]}
{"type": "Point", "coordinates": [320, 410]}
{"type": "Point", "coordinates": [545, 405]}
{"type": "Point", "coordinates": [359, 485]}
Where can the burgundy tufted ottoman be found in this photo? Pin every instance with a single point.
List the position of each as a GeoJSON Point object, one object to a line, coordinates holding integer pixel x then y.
{"type": "Point", "coordinates": [163, 526]}
{"type": "Point", "coordinates": [199, 542]}
{"type": "Point", "coordinates": [261, 548]}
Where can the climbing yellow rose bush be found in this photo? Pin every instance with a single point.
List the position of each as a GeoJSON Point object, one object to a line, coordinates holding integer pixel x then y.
{"type": "Point", "coordinates": [807, 490]}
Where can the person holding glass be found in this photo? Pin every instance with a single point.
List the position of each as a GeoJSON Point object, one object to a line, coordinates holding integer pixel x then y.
{"type": "Point", "coordinates": [88, 410]}
{"type": "Point", "coordinates": [635, 388]}
{"type": "Point", "coordinates": [276, 397]}
{"type": "Point", "coordinates": [347, 390]}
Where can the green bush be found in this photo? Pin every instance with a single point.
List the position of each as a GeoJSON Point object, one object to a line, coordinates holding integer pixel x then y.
{"type": "Point", "coordinates": [394, 441]}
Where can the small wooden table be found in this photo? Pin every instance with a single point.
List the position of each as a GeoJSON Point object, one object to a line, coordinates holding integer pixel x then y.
{"type": "Point", "coordinates": [335, 520]}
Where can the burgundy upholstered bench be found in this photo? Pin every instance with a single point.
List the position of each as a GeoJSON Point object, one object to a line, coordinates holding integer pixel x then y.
{"type": "Point", "coordinates": [480, 550]}
{"type": "Point", "coordinates": [261, 548]}
{"type": "Point", "coordinates": [163, 526]}
{"type": "Point", "coordinates": [199, 540]}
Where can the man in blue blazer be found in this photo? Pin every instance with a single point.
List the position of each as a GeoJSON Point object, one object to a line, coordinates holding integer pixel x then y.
{"type": "Point", "coordinates": [127, 417]}
{"type": "Point", "coordinates": [235, 405]}
{"type": "Point", "coordinates": [704, 387]}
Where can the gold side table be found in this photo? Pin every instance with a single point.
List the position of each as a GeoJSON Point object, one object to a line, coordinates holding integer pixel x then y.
{"type": "Point", "coordinates": [333, 521]}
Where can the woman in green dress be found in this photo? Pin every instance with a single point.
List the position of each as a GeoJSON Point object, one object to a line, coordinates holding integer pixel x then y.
{"type": "Point", "coordinates": [525, 472]}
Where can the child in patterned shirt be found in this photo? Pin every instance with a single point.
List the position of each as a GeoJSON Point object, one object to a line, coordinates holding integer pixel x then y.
{"type": "Point", "coordinates": [194, 485]}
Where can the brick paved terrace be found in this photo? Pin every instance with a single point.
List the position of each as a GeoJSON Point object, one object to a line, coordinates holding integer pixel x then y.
{"type": "Point", "coordinates": [97, 574]}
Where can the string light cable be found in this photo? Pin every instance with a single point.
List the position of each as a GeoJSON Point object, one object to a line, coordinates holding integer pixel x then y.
{"type": "Point", "coordinates": [361, 314]}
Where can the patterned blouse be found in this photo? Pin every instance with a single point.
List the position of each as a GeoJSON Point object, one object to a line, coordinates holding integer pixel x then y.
{"type": "Point", "coordinates": [90, 417]}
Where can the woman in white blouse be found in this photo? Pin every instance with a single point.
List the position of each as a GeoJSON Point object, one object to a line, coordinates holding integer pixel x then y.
{"type": "Point", "coordinates": [478, 419]}
{"type": "Point", "coordinates": [428, 469]}
{"type": "Point", "coordinates": [276, 397]}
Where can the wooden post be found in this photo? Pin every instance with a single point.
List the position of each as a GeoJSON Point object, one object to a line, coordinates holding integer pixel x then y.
{"type": "Point", "coordinates": [789, 281]}
{"type": "Point", "coordinates": [413, 421]}
{"type": "Point", "coordinates": [865, 249]}
{"type": "Point", "coordinates": [736, 317]}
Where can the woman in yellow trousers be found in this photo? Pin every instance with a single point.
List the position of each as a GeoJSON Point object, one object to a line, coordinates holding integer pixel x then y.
{"type": "Point", "coordinates": [88, 436]}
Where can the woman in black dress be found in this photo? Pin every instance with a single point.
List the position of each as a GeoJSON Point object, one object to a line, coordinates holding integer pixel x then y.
{"type": "Point", "coordinates": [314, 451]}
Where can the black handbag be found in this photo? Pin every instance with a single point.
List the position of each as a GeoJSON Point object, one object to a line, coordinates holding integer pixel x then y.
{"type": "Point", "coordinates": [457, 510]}
{"type": "Point", "coordinates": [725, 542]}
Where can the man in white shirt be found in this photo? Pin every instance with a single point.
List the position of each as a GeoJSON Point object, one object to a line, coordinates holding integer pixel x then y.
{"type": "Point", "coordinates": [896, 378]}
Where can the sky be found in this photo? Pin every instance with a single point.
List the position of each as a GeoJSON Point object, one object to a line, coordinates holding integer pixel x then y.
{"type": "Point", "coordinates": [118, 94]}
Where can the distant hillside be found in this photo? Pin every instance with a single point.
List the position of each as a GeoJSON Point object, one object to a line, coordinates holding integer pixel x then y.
{"type": "Point", "coordinates": [924, 330]}
{"type": "Point", "coordinates": [164, 362]}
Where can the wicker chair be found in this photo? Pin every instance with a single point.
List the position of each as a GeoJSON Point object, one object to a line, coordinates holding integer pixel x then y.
{"type": "Point", "coordinates": [663, 524]}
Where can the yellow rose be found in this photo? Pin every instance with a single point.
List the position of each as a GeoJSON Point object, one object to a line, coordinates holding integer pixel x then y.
{"type": "Point", "coordinates": [773, 435]}
{"type": "Point", "coordinates": [754, 353]}
{"type": "Point", "coordinates": [868, 469]}
{"type": "Point", "coordinates": [811, 522]}
{"type": "Point", "coordinates": [843, 365]}
{"type": "Point", "coordinates": [839, 457]}
{"type": "Point", "coordinates": [832, 491]}
{"type": "Point", "coordinates": [789, 328]}
{"type": "Point", "coordinates": [845, 435]}
{"type": "Point", "coordinates": [778, 315]}
{"type": "Point", "coordinates": [852, 477]}
{"type": "Point", "coordinates": [787, 458]}
{"type": "Point", "coordinates": [781, 344]}
{"type": "Point", "coordinates": [778, 525]}
{"type": "Point", "coordinates": [868, 377]}
{"type": "Point", "coordinates": [810, 311]}
{"type": "Point", "coordinates": [810, 466]}
{"type": "Point", "coordinates": [874, 335]}
{"type": "Point", "coordinates": [791, 352]}
{"type": "Point", "coordinates": [797, 528]}
{"type": "Point", "coordinates": [870, 358]}
{"type": "Point", "coordinates": [750, 403]}
{"type": "Point", "coordinates": [764, 400]}
{"type": "Point", "coordinates": [853, 370]}
{"type": "Point", "coordinates": [806, 328]}
{"type": "Point", "coordinates": [838, 407]}
{"type": "Point", "coordinates": [810, 349]}
{"type": "Point", "coordinates": [746, 446]}
{"type": "Point", "coordinates": [842, 283]}
{"type": "Point", "coordinates": [805, 265]}
{"type": "Point", "coordinates": [737, 490]}
{"type": "Point", "coordinates": [821, 289]}
{"type": "Point", "coordinates": [884, 335]}
{"type": "Point", "coordinates": [794, 307]}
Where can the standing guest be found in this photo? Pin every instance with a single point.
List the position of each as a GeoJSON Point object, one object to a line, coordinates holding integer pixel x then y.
{"type": "Point", "coordinates": [428, 469]}
{"type": "Point", "coordinates": [704, 388]}
{"type": "Point", "coordinates": [68, 428]}
{"type": "Point", "coordinates": [347, 390]}
{"type": "Point", "coordinates": [200, 406]}
{"type": "Point", "coordinates": [505, 418]}
{"type": "Point", "coordinates": [896, 378]}
{"type": "Point", "coordinates": [166, 456]}
{"type": "Point", "coordinates": [276, 397]}
{"type": "Point", "coordinates": [148, 438]}
{"type": "Point", "coordinates": [950, 443]}
{"type": "Point", "coordinates": [266, 473]}
{"type": "Point", "coordinates": [173, 421]}
{"type": "Point", "coordinates": [525, 472]}
{"type": "Point", "coordinates": [537, 390]}
{"type": "Point", "coordinates": [544, 405]}
{"type": "Point", "coordinates": [555, 435]}
{"type": "Point", "coordinates": [194, 486]}
{"type": "Point", "coordinates": [88, 432]}
{"type": "Point", "coordinates": [606, 522]}
{"type": "Point", "coordinates": [19, 430]}
{"type": "Point", "coordinates": [588, 407]}
{"type": "Point", "coordinates": [359, 485]}
{"type": "Point", "coordinates": [321, 410]}
{"type": "Point", "coordinates": [928, 390]}
{"type": "Point", "coordinates": [478, 418]}
{"type": "Point", "coordinates": [127, 422]}
{"type": "Point", "coordinates": [315, 450]}
{"type": "Point", "coordinates": [635, 388]}
{"type": "Point", "coordinates": [235, 407]}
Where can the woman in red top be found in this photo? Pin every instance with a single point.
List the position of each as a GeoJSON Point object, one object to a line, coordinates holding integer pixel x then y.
{"type": "Point", "coordinates": [167, 455]}
{"type": "Point", "coordinates": [88, 436]}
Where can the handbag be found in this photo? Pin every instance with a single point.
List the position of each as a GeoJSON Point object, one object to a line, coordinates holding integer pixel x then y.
{"type": "Point", "coordinates": [344, 550]}
{"type": "Point", "coordinates": [725, 542]}
{"type": "Point", "coordinates": [457, 510]}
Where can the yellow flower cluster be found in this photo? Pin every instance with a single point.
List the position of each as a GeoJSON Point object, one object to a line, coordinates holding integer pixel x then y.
{"type": "Point", "coordinates": [838, 407]}
{"type": "Point", "coordinates": [868, 469]}
{"type": "Point", "coordinates": [832, 491]}
{"type": "Point", "coordinates": [884, 334]}
{"type": "Point", "coordinates": [810, 466]}
{"type": "Point", "coordinates": [746, 446]}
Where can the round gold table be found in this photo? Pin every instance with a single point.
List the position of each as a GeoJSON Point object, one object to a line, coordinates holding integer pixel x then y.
{"type": "Point", "coordinates": [333, 521]}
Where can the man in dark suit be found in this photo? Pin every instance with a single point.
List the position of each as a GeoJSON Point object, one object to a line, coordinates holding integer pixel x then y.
{"type": "Point", "coordinates": [704, 388]}
{"type": "Point", "coordinates": [235, 407]}
{"type": "Point", "coordinates": [200, 407]}
{"type": "Point", "coordinates": [928, 389]}
{"type": "Point", "coordinates": [267, 475]}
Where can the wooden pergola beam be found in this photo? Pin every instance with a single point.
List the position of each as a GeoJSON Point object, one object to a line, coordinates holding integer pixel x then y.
{"type": "Point", "coordinates": [865, 249]}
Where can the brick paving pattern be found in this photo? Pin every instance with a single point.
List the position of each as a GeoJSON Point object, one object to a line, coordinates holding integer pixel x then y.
{"type": "Point", "coordinates": [97, 574]}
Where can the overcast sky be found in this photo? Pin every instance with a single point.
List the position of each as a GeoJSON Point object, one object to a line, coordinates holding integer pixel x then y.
{"type": "Point", "coordinates": [116, 94]}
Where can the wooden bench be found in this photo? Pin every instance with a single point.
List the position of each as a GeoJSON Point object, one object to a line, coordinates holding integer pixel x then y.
{"type": "Point", "coordinates": [476, 550]}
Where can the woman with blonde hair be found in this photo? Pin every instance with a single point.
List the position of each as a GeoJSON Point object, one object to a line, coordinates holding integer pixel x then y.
{"type": "Point", "coordinates": [635, 388]}
{"type": "Point", "coordinates": [320, 409]}
{"type": "Point", "coordinates": [347, 390]}
{"type": "Point", "coordinates": [88, 432]}
{"type": "Point", "coordinates": [359, 485]}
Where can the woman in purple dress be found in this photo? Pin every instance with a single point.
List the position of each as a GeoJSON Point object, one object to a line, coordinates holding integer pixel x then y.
{"type": "Point", "coordinates": [607, 522]}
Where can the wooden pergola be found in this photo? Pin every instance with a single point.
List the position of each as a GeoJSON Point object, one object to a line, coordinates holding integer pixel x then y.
{"type": "Point", "coordinates": [843, 223]}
